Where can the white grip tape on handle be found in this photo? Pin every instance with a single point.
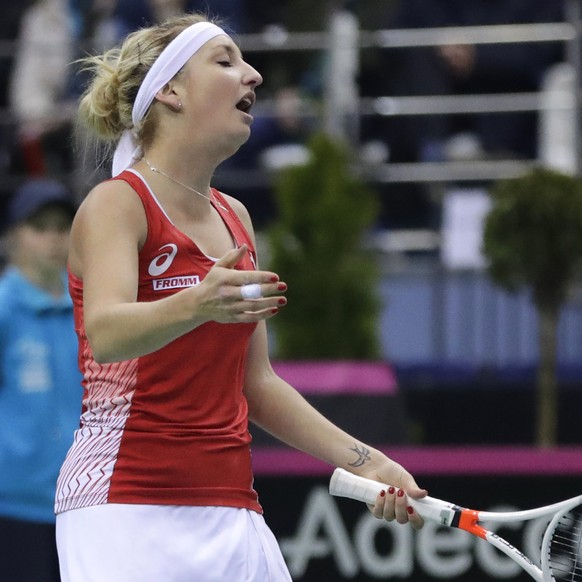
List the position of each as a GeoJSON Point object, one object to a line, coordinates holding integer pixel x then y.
{"type": "Point", "coordinates": [346, 484]}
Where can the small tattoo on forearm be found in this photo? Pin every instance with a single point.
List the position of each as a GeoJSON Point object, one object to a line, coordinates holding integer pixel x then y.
{"type": "Point", "coordinates": [363, 455]}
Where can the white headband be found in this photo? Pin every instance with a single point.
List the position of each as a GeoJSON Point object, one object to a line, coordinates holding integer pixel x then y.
{"type": "Point", "coordinates": [164, 69]}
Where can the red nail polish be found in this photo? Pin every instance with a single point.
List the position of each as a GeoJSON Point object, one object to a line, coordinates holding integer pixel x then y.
{"type": "Point", "coordinates": [281, 287]}
{"type": "Point", "coordinates": [400, 493]}
{"type": "Point", "coordinates": [382, 493]}
{"type": "Point", "coordinates": [391, 490]}
{"type": "Point", "coordinates": [410, 510]}
{"type": "Point", "coordinates": [274, 279]}
{"type": "Point", "coordinates": [282, 301]}
{"type": "Point", "coordinates": [275, 310]}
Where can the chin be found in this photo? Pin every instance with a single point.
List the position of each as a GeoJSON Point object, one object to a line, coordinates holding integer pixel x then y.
{"type": "Point", "coordinates": [236, 142]}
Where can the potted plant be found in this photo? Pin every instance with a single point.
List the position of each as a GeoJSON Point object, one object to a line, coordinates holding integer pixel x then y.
{"type": "Point", "coordinates": [327, 337]}
{"type": "Point", "coordinates": [533, 237]}
{"type": "Point", "coordinates": [324, 210]}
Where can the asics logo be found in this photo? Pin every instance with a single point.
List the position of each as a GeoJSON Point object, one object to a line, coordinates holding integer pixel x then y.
{"type": "Point", "coordinates": [162, 262]}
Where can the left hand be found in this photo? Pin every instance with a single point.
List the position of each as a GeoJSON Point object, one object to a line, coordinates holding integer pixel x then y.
{"type": "Point", "coordinates": [392, 503]}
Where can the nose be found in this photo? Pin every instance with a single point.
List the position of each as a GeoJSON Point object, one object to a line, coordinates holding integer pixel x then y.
{"type": "Point", "coordinates": [253, 77]}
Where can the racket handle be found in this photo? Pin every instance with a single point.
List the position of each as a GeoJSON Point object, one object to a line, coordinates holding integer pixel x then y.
{"type": "Point", "coordinates": [346, 484]}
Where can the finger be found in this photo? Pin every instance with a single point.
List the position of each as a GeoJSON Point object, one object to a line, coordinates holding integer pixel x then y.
{"type": "Point", "coordinates": [389, 510]}
{"type": "Point", "coordinates": [260, 277]}
{"type": "Point", "coordinates": [377, 509]}
{"type": "Point", "coordinates": [256, 316]}
{"type": "Point", "coordinates": [232, 258]}
{"type": "Point", "coordinates": [254, 291]}
{"type": "Point", "coordinates": [271, 289]}
{"type": "Point", "coordinates": [259, 305]}
{"type": "Point", "coordinates": [412, 489]}
{"type": "Point", "coordinates": [416, 492]}
{"type": "Point", "coordinates": [384, 506]}
{"type": "Point", "coordinates": [414, 519]}
{"type": "Point", "coordinates": [401, 507]}
{"type": "Point", "coordinates": [252, 285]}
{"type": "Point", "coordinates": [251, 291]}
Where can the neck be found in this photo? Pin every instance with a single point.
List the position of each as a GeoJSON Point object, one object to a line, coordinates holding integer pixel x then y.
{"type": "Point", "coordinates": [156, 170]}
{"type": "Point", "coordinates": [188, 166]}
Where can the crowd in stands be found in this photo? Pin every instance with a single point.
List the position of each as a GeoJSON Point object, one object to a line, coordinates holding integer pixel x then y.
{"type": "Point", "coordinates": [455, 70]}
{"type": "Point", "coordinates": [39, 87]}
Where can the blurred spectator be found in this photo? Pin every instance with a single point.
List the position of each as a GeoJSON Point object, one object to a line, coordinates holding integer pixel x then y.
{"type": "Point", "coordinates": [278, 139]}
{"type": "Point", "coordinates": [92, 24]}
{"type": "Point", "coordinates": [299, 15]}
{"type": "Point", "coordinates": [39, 94]}
{"type": "Point", "coordinates": [94, 31]}
{"type": "Point", "coordinates": [39, 378]}
{"type": "Point", "coordinates": [275, 20]}
{"type": "Point", "coordinates": [473, 69]}
{"type": "Point", "coordinates": [454, 70]}
{"type": "Point", "coordinates": [132, 14]}
{"type": "Point", "coordinates": [285, 129]}
{"type": "Point", "coordinates": [9, 26]}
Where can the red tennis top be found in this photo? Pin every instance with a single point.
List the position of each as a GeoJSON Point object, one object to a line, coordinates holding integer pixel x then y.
{"type": "Point", "coordinates": [170, 427]}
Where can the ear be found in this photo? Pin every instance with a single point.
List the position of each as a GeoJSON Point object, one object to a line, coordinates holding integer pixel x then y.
{"type": "Point", "coordinates": [168, 96]}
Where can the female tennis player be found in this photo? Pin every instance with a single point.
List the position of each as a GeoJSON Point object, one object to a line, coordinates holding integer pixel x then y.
{"type": "Point", "coordinates": [170, 312]}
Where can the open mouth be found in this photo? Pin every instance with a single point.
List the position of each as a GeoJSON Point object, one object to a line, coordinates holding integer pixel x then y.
{"type": "Point", "coordinates": [246, 103]}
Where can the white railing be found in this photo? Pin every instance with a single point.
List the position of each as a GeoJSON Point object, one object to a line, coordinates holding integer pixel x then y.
{"type": "Point", "coordinates": [343, 108]}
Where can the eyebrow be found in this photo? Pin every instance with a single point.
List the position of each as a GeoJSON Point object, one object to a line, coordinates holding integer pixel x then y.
{"type": "Point", "coordinates": [232, 49]}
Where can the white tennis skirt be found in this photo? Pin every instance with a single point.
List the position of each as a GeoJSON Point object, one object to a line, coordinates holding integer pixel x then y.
{"type": "Point", "coordinates": [153, 543]}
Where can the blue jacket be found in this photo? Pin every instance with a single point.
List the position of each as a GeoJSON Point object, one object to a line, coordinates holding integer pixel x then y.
{"type": "Point", "coordinates": [40, 395]}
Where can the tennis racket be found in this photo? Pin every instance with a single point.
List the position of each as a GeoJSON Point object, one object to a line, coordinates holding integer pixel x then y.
{"type": "Point", "coordinates": [561, 549]}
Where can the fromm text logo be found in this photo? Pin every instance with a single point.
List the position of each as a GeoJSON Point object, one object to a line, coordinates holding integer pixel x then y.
{"type": "Point", "coordinates": [175, 282]}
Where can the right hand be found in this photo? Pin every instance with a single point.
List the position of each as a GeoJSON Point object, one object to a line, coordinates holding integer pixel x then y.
{"type": "Point", "coordinates": [220, 296]}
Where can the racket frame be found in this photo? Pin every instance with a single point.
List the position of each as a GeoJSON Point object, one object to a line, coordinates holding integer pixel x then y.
{"type": "Point", "coordinates": [346, 484]}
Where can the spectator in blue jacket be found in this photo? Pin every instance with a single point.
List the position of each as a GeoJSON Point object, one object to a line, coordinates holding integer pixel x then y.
{"type": "Point", "coordinates": [39, 379]}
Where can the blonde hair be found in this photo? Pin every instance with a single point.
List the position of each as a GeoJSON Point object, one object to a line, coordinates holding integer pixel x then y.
{"type": "Point", "coordinates": [106, 105]}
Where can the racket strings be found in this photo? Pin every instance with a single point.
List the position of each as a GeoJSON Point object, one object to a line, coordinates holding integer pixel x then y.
{"type": "Point", "coordinates": [565, 549]}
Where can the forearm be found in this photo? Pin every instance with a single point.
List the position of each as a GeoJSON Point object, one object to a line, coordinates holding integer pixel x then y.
{"type": "Point", "coordinates": [128, 330]}
{"type": "Point", "coordinates": [280, 410]}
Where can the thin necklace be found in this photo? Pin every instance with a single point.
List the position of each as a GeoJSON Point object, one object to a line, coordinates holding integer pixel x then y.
{"type": "Point", "coordinates": [155, 170]}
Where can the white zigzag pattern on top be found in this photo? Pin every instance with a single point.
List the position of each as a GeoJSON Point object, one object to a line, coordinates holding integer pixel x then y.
{"type": "Point", "coordinates": [86, 473]}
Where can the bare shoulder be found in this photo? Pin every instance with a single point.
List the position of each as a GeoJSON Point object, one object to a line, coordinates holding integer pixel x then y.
{"type": "Point", "coordinates": [110, 215]}
{"type": "Point", "coordinates": [111, 203]}
{"type": "Point", "coordinates": [110, 196]}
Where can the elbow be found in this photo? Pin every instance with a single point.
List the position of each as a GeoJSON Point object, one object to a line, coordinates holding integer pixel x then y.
{"type": "Point", "coordinates": [107, 356]}
{"type": "Point", "coordinates": [110, 344]}
{"type": "Point", "coordinates": [102, 348]}
{"type": "Point", "coordinates": [100, 353]}
{"type": "Point", "coordinates": [101, 357]}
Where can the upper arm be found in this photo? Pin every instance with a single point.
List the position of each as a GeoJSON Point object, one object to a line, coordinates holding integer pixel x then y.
{"type": "Point", "coordinates": [107, 233]}
{"type": "Point", "coordinates": [258, 370]}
